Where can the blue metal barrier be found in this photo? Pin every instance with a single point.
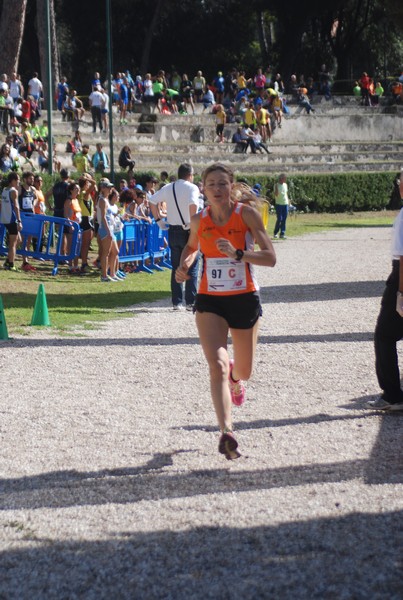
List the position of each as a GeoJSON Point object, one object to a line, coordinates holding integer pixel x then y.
{"type": "Point", "coordinates": [141, 242]}
{"type": "Point", "coordinates": [158, 247]}
{"type": "Point", "coordinates": [44, 229]}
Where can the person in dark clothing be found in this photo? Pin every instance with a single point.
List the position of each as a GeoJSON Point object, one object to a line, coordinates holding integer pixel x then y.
{"type": "Point", "coordinates": [125, 159]}
{"type": "Point", "coordinates": [389, 326]}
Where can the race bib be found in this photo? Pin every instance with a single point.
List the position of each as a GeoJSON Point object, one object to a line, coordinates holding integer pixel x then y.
{"type": "Point", "coordinates": [27, 203]}
{"type": "Point", "coordinates": [225, 275]}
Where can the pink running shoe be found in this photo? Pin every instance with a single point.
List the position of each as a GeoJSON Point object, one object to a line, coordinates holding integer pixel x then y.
{"type": "Point", "coordinates": [228, 446]}
{"type": "Point", "coordinates": [237, 388]}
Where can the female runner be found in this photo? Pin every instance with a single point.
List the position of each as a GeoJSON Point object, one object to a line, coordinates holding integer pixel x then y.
{"type": "Point", "coordinates": [228, 299]}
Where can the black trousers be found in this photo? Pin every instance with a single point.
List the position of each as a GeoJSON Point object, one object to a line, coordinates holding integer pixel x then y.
{"type": "Point", "coordinates": [96, 117]}
{"type": "Point", "coordinates": [388, 331]}
{"type": "Point", "coordinates": [177, 240]}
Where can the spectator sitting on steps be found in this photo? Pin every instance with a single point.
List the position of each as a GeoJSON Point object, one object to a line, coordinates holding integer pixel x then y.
{"type": "Point", "coordinates": [241, 143]}
{"type": "Point", "coordinates": [303, 100]}
{"type": "Point", "coordinates": [125, 159]}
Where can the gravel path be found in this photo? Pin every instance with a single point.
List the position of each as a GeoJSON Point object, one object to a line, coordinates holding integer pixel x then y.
{"type": "Point", "coordinates": [111, 484]}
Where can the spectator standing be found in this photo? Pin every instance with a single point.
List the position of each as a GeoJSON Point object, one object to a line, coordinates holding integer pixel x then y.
{"type": "Point", "coordinates": [108, 246]}
{"type": "Point", "coordinates": [62, 93]}
{"type": "Point", "coordinates": [26, 199]}
{"type": "Point", "coordinates": [87, 187]}
{"type": "Point", "coordinates": [105, 109]}
{"type": "Point", "coordinates": [187, 91]}
{"type": "Point", "coordinates": [6, 162]}
{"type": "Point", "coordinates": [10, 217]}
{"type": "Point", "coordinates": [365, 84]}
{"type": "Point", "coordinates": [282, 202]}
{"type": "Point", "coordinates": [218, 83]}
{"type": "Point", "coordinates": [81, 160]}
{"type": "Point", "coordinates": [35, 89]}
{"type": "Point", "coordinates": [16, 87]}
{"type": "Point", "coordinates": [96, 100]}
{"type": "Point", "coordinates": [389, 326]}
{"type": "Point", "coordinates": [259, 82]}
{"type": "Point", "coordinates": [100, 160]}
{"type": "Point", "coordinates": [220, 119]}
{"type": "Point", "coordinates": [199, 84]}
{"type": "Point", "coordinates": [182, 200]}
{"type": "Point", "coordinates": [124, 100]}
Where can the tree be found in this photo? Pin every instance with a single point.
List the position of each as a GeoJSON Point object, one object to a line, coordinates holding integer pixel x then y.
{"type": "Point", "coordinates": [43, 42]}
{"type": "Point", "coordinates": [12, 23]}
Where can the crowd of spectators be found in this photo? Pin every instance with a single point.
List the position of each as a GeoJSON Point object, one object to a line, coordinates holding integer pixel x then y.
{"type": "Point", "coordinates": [370, 90]}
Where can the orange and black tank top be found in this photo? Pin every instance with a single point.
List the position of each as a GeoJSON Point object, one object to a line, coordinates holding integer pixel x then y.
{"type": "Point", "coordinates": [221, 275]}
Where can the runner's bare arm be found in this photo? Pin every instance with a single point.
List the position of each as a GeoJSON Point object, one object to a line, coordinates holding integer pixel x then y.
{"type": "Point", "coordinates": [189, 252]}
{"type": "Point", "coordinates": [266, 256]}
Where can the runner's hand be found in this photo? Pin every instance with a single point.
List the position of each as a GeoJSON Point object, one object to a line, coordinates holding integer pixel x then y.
{"type": "Point", "coordinates": [225, 247]}
{"type": "Point", "coordinates": [181, 275]}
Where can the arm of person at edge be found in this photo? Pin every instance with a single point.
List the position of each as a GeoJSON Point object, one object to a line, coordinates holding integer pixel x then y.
{"type": "Point", "coordinates": [14, 200]}
{"type": "Point", "coordinates": [399, 300]}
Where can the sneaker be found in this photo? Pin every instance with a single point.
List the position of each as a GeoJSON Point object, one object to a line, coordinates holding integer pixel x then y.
{"type": "Point", "coordinates": [237, 388]}
{"type": "Point", "coordinates": [275, 237]}
{"type": "Point", "coordinates": [6, 264]}
{"type": "Point", "coordinates": [121, 274]}
{"type": "Point", "coordinates": [86, 268]}
{"type": "Point", "coordinates": [379, 404]}
{"type": "Point", "coordinates": [177, 307]}
{"type": "Point", "coordinates": [189, 307]}
{"type": "Point", "coordinates": [118, 276]}
{"type": "Point", "coordinates": [228, 446]}
{"type": "Point", "coordinates": [393, 407]}
{"type": "Point", "coordinates": [27, 267]}
{"type": "Point", "coordinates": [106, 279]}
{"type": "Point", "coordinates": [283, 237]}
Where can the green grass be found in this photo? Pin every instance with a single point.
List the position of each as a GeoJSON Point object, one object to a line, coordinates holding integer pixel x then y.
{"type": "Point", "coordinates": [302, 224]}
{"type": "Point", "coordinates": [75, 301]}
{"type": "Point", "coordinates": [82, 301]}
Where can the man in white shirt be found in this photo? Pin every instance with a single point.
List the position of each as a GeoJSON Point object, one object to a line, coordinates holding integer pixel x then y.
{"type": "Point", "coordinates": [35, 87]}
{"type": "Point", "coordinates": [181, 199]}
{"type": "Point", "coordinates": [97, 103]}
{"type": "Point", "coordinates": [35, 90]}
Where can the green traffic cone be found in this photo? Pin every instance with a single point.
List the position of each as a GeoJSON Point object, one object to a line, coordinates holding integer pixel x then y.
{"type": "Point", "coordinates": [40, 316]}
{"type": "Point", "coordinates": [3, 324]}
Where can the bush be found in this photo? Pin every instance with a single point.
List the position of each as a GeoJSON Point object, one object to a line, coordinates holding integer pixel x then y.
{"type": "Point", "coordinates": [339, 192]}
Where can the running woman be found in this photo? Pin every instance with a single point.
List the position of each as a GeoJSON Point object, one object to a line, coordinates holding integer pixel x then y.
{"type": "Point", "coordinates": [228, 297]}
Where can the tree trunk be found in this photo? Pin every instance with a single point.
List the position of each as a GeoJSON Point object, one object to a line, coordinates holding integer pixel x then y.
{"type": "Point", "coordinates": [145, 59]}
{"type": "Point", "coordinates": [43, 43]}
{"type": "Point", "coordinates": [11, 31]}
{"type": "Point", "coordinates": [261, 31]}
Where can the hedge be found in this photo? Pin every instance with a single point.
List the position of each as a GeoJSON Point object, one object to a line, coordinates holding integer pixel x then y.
{"type": "Point", "coordinates": [339, 192]}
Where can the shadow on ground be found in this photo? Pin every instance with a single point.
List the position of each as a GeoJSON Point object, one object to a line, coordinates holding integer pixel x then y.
{"type": "Point", "coordinates": [320, 558]}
